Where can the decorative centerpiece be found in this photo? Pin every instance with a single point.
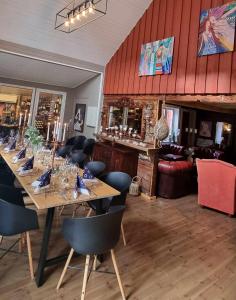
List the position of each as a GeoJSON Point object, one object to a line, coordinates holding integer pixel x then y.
{"type": "Point", "coordinates": [33, 137]}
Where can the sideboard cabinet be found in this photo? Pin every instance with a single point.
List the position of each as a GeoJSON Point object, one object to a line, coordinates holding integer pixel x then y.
{"type": "Point", "coordinates": [117, 157]}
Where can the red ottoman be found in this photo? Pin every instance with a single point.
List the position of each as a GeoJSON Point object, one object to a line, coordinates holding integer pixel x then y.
{"type": "Point", "coordinates": [174, 178]}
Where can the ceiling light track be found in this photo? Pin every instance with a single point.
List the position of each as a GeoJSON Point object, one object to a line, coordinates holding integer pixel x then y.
{"type": "Point", "coordinates": [79, 13]}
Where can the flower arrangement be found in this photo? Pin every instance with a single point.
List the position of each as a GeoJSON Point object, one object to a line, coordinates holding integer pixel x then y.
{"type": "Point", "coordinates": [33, 136]}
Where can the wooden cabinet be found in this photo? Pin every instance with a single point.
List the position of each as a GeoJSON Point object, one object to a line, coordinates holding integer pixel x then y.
{"type": "Point", "coordinates": [117, 157]}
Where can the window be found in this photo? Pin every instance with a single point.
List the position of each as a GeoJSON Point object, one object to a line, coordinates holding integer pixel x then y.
{"type": "Point", "coordinates": [171, 114]}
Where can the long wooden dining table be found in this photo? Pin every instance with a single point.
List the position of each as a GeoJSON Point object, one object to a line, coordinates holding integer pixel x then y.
{"type": "Point", "coordinates": [50, 200]}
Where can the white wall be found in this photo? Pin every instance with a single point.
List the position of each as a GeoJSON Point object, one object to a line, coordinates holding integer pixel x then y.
{"type": "Point", "coordinates": [87, 93]}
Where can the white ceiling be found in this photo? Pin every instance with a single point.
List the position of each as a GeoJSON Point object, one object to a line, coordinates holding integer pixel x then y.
{"type": "Point", "coordinates": [31, 23]}
{"type": "Point", "coordinates": [21, 68]}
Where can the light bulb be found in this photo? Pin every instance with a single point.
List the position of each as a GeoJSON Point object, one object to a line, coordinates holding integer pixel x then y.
{"type": "Point", "coordinates": [72, 20]}
{"type": "Point", "coordinates": [91, 8]}
{"type": "Point", "coordinates": [67, 23]}
{"type": "Point", "coordinates": [84, 13]}
{"type": "Point", "coordinates": [78, 16]}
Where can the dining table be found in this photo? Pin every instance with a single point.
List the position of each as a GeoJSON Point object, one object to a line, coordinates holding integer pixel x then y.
{"type": "Point", "coordinates": [53, 197]}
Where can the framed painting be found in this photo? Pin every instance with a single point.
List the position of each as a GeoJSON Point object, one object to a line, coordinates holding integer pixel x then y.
{"type": "Point", "coordinates": [156, 57]}
{"type": "Point", "coordinates": [205, 129]}
{"type": "Point", "coordinates": [217, 30]}
{"type": "Point", "coordinates": [79, 117]}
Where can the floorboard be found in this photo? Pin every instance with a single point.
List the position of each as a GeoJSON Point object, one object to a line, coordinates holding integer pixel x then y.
{"type": "Point", "coordinates": [175, 250]}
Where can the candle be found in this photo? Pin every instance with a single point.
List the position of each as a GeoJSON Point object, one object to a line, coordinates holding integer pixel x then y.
{"type": "Point", "coordinates": [64, 133]}
{"type": "Point", "coordinates": [54, 130]}
{"type": "Point", "coordinates": [25, 117]}
{"type": "Point", "coordinates": [59, 131]}
{"type": "Point", "coordinates": [20, 119]}
{"type": "Point", "coordinates": [28, 119]}
{"type": "Point", "coordinates": [48, 132]}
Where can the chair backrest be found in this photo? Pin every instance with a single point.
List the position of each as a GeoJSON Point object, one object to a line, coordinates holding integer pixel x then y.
{"type": "Point", "coordinates": [94, 235]}
{"type": "Point", "coordinates": [6, 176]}
{"type": "Point", "coordinates": [119, 181]}
{"type": "Point", "coordinates": [63, 151]}
{"type": "Point", "coordinates": [77, 141]}
{"type": "Point", "coordinates": [216, 184]}
{"type": "Point", "coordinates": [11, 195]}
{"type": "Point", "coordinates": [96, 167]}
{"type": "Point", "coordinates": [88, 146]}
{"type": "Point", "coordinates": [15, 219]}
{"type": "Point", "coordinates": [78, 157]}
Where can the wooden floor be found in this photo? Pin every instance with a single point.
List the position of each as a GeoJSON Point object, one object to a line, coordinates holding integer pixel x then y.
{"type": "Point", "coordinates": [176, 250]}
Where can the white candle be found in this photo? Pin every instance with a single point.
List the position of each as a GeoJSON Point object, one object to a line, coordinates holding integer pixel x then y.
{"type": "Point", "coordinates": [48, 132]}
{"type": "Point", "coordinates": [28, 119]}
{"type": "Point", "coordinates": [20, 119]}
{"type": "Point", "coordinates": [54, 129]}
{"type": "Point", "coordinates": [59, 131]}
{"type": "Point", "coordinates": [25, 117]}
{"type": "Point", "coordinates": [64, 133]}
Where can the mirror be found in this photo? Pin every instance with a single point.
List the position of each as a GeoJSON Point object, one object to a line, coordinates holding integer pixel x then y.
{"type": "Point", "coordinates": [125, 116]}
{"type": "Point", "coordinates": [134, 118]}
{"type": "Point", "coordinates": [115, 116]}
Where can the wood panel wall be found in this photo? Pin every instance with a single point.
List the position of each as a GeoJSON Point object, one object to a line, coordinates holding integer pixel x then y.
{"type": "Point", "coordinates": [214, 74]}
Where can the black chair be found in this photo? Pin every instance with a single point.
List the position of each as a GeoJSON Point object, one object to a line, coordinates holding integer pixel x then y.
{"type": "Point", "coordinates": [88, 147]}
{"type": "Point", "coordinates": [63, 151]}
{"type": "Point", "coordinates": [91, 237]}
{"type": "Point", "coordinates": [77, 141]}
{"type": "Point", "coordinates": [96, 167]}
{"type": "Point", "coordinates": [78, 158]}
{"type": "Point", "coordinates": [16, 219]}
{"type": "Point", "coordinates": [119, 181]}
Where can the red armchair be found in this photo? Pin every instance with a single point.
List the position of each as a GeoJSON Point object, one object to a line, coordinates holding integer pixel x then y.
{"type": "Point", "coordinates": [216, 185]}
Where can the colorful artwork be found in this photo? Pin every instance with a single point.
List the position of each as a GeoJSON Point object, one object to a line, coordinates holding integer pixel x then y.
{"type": "Point", "coordinates": [156, 57]}
{"type": "Point", "coordinates": [217, 30]}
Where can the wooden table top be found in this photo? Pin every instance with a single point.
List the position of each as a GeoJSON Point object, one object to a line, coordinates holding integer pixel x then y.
{"type": "Point", "coordinates": [54, 197]}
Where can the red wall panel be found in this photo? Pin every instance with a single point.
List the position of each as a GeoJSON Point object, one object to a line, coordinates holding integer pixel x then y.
{"type": "Point", "coordinates": [190, 74]}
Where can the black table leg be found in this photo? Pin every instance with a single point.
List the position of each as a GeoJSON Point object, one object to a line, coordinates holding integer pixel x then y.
{"type": "Point", "coordinates": [44, 248]}
{"type": "Point", "coordinates": [99, 211]}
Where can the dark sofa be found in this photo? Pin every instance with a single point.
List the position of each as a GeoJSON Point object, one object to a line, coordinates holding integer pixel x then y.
{"type": "Point", "coordinates": [172, 152]}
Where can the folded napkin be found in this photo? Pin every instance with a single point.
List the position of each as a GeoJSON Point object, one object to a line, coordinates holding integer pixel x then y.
{"type": "Point", "coordinates": [42, 182]}
{"type": "Point", "coordinates": [27, 167]}
{"type": "Point", "coordinates": [11, 146]}
{"type": "Point", "coordinates": [80, 187]}
{"type": "Point", "coordinates": [4, 140]}
{"type": "Point", "coordinates": [20, 155]}
{"type": "Point", "coordinates": [87, 174]}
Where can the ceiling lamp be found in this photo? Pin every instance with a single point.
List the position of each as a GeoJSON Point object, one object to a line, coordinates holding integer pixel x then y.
{"type": "Point", "coordinates": [79, 13]}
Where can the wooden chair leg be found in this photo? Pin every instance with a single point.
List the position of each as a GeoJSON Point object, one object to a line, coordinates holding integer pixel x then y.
{"type": "Point", "coordinates": [75, 210]}
{"type": "Point", "coordinates": [95, 263]}
{"type": "Point", "coordinates": [89, 213]}
{"type": "Point", "coordinates": [61, 211]}
{"type": "Point", "coordinates": [30, 255]}
{"type": "Point", "coordinates": [65, 268]}
{"type": "Point", "coordinates": [123, 234]}
{"type": "Point", "coordinates": [117, 274]}
{"type": "Point", "coordinates": [85, 277]}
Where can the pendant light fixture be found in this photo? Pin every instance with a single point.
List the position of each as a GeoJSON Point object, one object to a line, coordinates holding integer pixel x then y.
{"type": "Point", "coordinates": [78, 13]}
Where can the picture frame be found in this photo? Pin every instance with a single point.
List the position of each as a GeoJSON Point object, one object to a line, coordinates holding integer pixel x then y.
{"type": "Point", "coordinates": [205, 129]}
{"type": "Point", "coordinates": [79, 117]}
